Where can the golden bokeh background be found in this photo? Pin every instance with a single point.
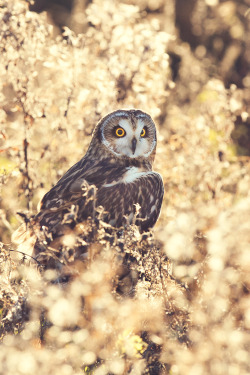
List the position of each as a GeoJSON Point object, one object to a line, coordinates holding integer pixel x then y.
{"type": "Point", "coordinates": [178, 302]}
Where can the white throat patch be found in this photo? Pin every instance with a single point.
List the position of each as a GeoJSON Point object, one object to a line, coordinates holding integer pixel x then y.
{"type": "Point", "coordinates": [132, 174]}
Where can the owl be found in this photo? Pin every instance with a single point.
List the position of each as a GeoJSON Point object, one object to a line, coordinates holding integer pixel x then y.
{"type": "Point", "coordinates": [115, 173]}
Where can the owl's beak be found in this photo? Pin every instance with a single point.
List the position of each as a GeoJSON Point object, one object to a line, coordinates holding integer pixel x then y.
{"type": "Point", "coordinates": [134, 141]}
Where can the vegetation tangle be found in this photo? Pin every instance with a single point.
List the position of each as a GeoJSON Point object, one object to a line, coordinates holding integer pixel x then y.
{"type": "Point", "coordinates": [174, 300]}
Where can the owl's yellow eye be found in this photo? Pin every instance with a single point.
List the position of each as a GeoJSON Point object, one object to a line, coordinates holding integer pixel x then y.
{"type": "Point", "coordinates": [120, 132]}
{"type": "Point", "coordinates": [143, 132]}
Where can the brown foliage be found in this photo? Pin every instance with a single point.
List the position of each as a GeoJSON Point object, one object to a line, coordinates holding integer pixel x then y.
{"type": "Point", "coordinates": [172, 302]}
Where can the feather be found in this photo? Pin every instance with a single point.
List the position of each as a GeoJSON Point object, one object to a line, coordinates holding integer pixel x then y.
{"type": "Point", "coordinates": [112, 174]}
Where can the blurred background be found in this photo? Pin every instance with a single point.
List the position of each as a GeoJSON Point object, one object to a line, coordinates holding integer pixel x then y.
{"type": "Point", "coordinates": [64, 65]}
{"type": "Point", "coordinates": [217, 32]}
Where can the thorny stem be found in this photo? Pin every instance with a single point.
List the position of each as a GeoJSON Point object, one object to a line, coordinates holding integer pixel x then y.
{"type": "Point", "coordinates": [28, 183]}
{"type": "Point", "coordinates": [68, 103]}
{"type": "Point", "coordinates": [168, 305]}
{"type": "Point", "coordinates": [28, 187]}
{"type": "Point", "coordinates": [26, 255]}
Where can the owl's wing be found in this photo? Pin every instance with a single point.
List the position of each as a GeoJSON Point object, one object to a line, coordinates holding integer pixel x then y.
{"type": "Point", "coordinates": [119, 199]}
{"type": "Point", "coordinates": [68, 188]}
{"type": "Point", "coordinates": [74, 188]}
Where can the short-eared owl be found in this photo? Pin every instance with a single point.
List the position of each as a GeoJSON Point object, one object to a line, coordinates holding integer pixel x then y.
{"type": "Point", "coordinates": [117, 169]}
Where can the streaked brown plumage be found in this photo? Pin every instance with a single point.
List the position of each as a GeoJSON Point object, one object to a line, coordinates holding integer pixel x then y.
{"type": "Point", "coordinates": [116, 173]}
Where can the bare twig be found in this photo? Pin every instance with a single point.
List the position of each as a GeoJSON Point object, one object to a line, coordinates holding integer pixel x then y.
{"type": "Point", "coordinates": [26, 255]}
{"type": "Point", "coordinates": [28, 183]}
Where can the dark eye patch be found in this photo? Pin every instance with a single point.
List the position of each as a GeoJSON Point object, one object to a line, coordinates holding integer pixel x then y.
{"type": "Point", "coordinates": [119, 132]}
{"type": "Point", "coordinates": [144, 132]}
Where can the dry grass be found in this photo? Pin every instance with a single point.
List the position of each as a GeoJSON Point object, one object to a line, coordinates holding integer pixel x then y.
{"type": "Point", "coordinates": [175, 301]}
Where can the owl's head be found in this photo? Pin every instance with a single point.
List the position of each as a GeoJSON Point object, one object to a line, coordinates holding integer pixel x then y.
{"type": "Point", "coordinates": [127, 134]}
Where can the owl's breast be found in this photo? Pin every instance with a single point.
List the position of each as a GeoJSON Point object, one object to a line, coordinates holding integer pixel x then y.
{"type": "Point", "coordinates": [135, 186]}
